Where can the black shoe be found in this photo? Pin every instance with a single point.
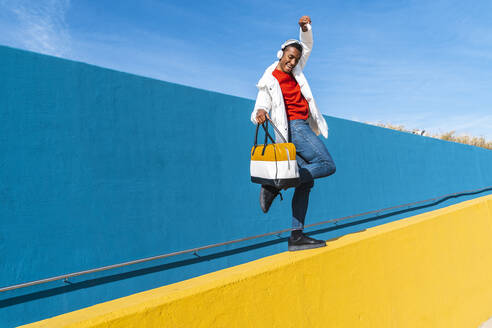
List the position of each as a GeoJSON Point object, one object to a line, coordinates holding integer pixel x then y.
{"type": "Point", "coordinates": [267, 195]}
{"type": "Point", "coordinates": [299, 241]}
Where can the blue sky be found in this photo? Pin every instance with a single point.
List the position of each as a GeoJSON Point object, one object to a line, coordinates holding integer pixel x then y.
{"type": "Point", "coordinates": [424, 64]}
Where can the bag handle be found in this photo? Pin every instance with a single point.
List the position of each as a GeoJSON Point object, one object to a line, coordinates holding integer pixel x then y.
{"type": "Point", "coordinates": [256, 135]}
{"type": "Point", "coordinates": [267, 134]}
{"type": "Point", "coordinates": [264, 125]}
{"type": "Point", "coordinates": [265, 128]}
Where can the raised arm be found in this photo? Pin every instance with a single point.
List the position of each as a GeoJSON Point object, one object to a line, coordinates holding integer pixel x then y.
{"type": "Point", "coordinates": [306, 37]}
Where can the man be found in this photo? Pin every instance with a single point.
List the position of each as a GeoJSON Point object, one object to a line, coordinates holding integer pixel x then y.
{"type": "Point", "coordinates": [284, 97]}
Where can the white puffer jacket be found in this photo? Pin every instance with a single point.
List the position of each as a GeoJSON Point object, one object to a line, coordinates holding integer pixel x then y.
{"type": "Point", "coordinates": [270, 95]}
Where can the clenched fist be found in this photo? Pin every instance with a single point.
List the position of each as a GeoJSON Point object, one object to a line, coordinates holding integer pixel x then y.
{"type": "Point", "coordinates": [261, 116]}
{"type": "Point", "coordinates": [303, 21]}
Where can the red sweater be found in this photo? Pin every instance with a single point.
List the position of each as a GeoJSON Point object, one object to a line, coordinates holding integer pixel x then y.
{"type": "Point", "coordinates": [296, 105]}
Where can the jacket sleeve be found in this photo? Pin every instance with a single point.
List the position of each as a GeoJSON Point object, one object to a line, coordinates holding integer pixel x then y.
{"type": "Point", "coordinates": [263, 101]}
{"type": "Point", "coordinates": [307, 40]}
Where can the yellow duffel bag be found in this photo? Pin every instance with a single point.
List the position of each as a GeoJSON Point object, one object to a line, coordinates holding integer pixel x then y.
{"type": "Point", "coordinates": [274, 164]}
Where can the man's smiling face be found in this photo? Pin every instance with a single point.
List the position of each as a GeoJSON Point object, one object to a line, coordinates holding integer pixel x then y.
{"type": "Point", "coordinates": [289, 60]}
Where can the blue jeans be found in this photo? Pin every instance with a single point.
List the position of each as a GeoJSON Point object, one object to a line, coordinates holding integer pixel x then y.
{"type": "Point", "coordinates": [314, 162]}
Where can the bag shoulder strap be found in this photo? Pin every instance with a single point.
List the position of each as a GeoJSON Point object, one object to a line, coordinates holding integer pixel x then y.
{"type": "Point", "coordinates": [278, 132]}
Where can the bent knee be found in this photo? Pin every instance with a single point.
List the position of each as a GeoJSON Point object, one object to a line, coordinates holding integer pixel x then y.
{"type": "Point", "coordinates": [330, 168]}
{"type": "Point", "coordinates": [333, 168]}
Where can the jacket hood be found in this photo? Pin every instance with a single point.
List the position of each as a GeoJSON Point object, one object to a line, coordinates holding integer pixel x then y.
{"type": "Point", "coordinates": [267, 77]}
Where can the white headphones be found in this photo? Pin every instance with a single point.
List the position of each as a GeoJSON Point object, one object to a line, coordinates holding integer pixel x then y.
{"type": "Point", "coordinates": [286, 43]}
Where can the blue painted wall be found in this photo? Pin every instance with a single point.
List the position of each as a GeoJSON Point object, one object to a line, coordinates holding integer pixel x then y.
{"type": "Point", "coordinates": [99, 167]}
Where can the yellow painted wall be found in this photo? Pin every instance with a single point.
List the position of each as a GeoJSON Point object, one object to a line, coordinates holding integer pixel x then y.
{"type": "Point", "coordinates": [430, 270]}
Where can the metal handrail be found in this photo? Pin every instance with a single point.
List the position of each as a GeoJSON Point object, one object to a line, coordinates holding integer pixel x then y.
{"type": "Point", "coordinates": [195, 250]}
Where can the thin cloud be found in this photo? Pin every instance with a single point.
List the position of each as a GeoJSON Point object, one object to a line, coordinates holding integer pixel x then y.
{"type": "Point", "coordinates": [40, 26]}
{"type": "Point", "coordinates": [466, 124]}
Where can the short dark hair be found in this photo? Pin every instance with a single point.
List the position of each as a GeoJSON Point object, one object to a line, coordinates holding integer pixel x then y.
{"type": "Point", "coordinates": [295, 45]}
